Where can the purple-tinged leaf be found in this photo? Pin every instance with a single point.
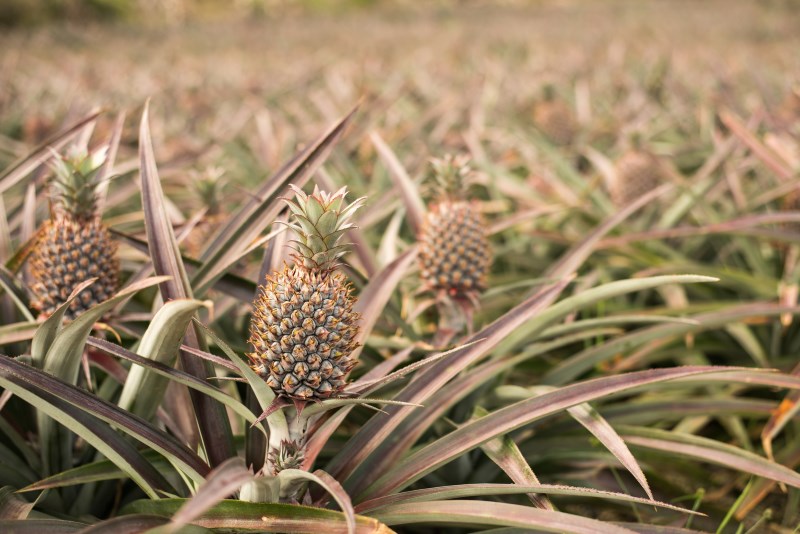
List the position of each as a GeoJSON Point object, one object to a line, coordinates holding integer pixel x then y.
{"type": "Point", "coordinates": [163, 247]}
{"type": "Point", "coordinates": [377, 293]}
{"type": "Point", "coordinates": [487, 514]}
{"type": "Point", "coordinates": [505, 453]}
{"type": "Point", "coordinates": [764, 153]}
{"type": "Point", "coordinates": [261, 210]}
{"type": "Point", "coordinates": [98, 434]}
{"type": "Point", "coordinates": [661, 334]}
{"type": "Point", "coordinates": [211, 418]}
{"type": "Point", "coordinates": [59, 393]}
{"type": "Point", "coordinates": [733, 226]}
{"type": "Point", "coordinates": [415, 208]}
{"type": "Point", "coordinates": [508, 419]}
{"type": "Point", "coordinates": [175, 375]}
{"type": "Point", "coordinates": [12, 506]}
{"type": "Point", "coordinates": [221, 482]}
{"type": "Point", "coordinates": [598, 426]}
{"type": "Point", "coordinates": [462, 491]}
{"type": "Point", "coordinates": [708, 450]}
{"type": "Point", "coordinates": [330, 485]}
{"type": "Point", "coordinates": [377, 429]}
{"type": "Point", "coordinates": [41, 154]}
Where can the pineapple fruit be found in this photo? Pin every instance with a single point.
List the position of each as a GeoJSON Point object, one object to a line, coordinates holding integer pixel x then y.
{"type": "Point", "coordinates": [555, 119]}
{"type": "Point", "coordinates": [208, 187]}
{"type": "Point", "coordinates": [74, 245]}
{"type": "Point", "coordinates": [637, 171]}
{"type": "Point", "coordinates": [303, 327]}
{"type": "Point", "coordinates": [454, 252]}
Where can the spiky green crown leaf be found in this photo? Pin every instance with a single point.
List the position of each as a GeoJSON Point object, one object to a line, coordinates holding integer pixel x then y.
{"type": "Point", "coordinates": [74, 185]}
{"type": "Point", "coordinates": [451, 177]}
{"type": "Point", "coordinates": [320, 220]}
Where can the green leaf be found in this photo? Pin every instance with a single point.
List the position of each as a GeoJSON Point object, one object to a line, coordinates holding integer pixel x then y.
{"type": "Point", "coordinates": [264, 517]}
{"type": "Point", "coordinates": [177, 376]}
{"type": "Point", "coordinates": [144, 390]}
{"type": "Point", "coordinates": [99, 435]}
{"type": "Point", "coordinates": [222, 481]}
{"type": "Point", "coordinates": [95, 472]}
{"type": "Point", "coordinates": [79, 410]}
{"type": "Point", "coordinates": [62, 360]}
{"type": "Point", "coordinates": [38, 526]}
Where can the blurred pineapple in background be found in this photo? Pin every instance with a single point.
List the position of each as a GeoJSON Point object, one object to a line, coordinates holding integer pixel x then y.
{"type": "Point", "coordinates": [207, 187]}
{"type": "Point", "coordinates": [74, 245]}
{"type": "Point", "coordinates": [637, 171]}
{"type": "Point", "coordinates": [454, 251]}
{"type": "Point", "coordinates": [789, 113]}
{"type": "Point", "coordinates": [554, 118]}
{"type": "Point", "coordinates": [303, 328]}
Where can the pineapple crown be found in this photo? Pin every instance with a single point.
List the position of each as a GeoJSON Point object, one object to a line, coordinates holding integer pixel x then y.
{"type": "Point", "coordinates": [289, 455]}
{"type": "Point", "coordinates": [451, 176]}
{"type": "Point", "coordinates": [549, 92]}
{"type": "Point", "coordinates": [208, 186]}
{"type": "Point", "coordinates": [320, 220]}
{"type": "Point", "coordinates": [74, 185]}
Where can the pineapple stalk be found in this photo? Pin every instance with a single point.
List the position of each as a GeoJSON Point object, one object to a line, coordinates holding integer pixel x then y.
{"type": "Point", "coordinates": [74, 245]}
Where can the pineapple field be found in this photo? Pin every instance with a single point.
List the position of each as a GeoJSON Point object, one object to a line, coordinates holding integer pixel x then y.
{"type": "Point", "coordinates": [389, 266]}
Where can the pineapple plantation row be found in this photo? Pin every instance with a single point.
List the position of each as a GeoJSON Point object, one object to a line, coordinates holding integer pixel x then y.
{"type": "Point", "coordinates": [483, 281]}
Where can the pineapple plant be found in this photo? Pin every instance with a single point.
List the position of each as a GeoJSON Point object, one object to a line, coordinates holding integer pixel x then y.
{"type": "Point", "coordinates": [74, 245]}
{"type": "Point", "coordinates": [637, 171]}
{"type": "Point", "coordinates": [554, 118]}
{"type": "Point", "coordinates": [303, 327]}
{"type": "Point", "coordinates": [207, 187]}
{"type": "Point", "coordinates": [454, 254]}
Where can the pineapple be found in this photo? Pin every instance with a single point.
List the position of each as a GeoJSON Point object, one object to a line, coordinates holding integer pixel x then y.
{"type": "Point", "coordinates": [454, 252]}
{"type": "Point", "coordinates": [637, 171]}
{"type": "Point", "coordinates": [74, 245]}
{"type": "Point", "coordinates": [554, 119]}
{"type": "Point", "coordinates": [303, 328]}
{"type": "Point", "coordinates": [208, 188]}
{"type": "Point", "coordinates": [289, 455]}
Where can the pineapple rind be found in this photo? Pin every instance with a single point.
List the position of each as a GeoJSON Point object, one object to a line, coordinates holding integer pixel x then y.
{"type": "Point", "coordinates": [454, 252]}
{"type": "Point", "coordinates": [303, 331]}
{"type": "Point", "coordinates": [68, 253]}
{"type": "Point", "coordinates": [638, 171]}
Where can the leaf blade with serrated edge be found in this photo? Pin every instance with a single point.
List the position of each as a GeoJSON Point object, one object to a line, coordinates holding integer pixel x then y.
{"type": "Point", "coordinates": [212, 421]}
